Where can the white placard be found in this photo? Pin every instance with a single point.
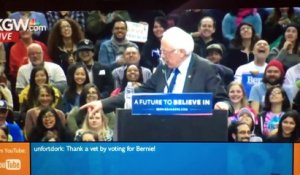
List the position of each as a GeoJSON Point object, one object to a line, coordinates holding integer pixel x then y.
{"type": "Point", "coordinates": [137, 32]}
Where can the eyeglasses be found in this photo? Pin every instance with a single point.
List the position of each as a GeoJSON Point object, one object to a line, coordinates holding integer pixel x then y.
{"type": "Point", "coordinates": [275, 92]}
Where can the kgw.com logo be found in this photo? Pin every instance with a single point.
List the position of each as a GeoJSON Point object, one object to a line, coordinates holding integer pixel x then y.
{"type": "Point", "coordinates": [10, 28]}
{"type": "Point", "coordinates": [11, 164]}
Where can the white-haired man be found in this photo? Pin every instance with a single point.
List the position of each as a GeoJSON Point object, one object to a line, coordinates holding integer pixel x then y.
{"type": "Point", "coordinates": [194, 73]}
{"type": "Point", "coordinates": [56, 75]}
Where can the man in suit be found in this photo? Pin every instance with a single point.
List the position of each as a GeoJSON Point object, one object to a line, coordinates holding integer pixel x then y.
{"type": "Point", "coordinates": [99, 74]}
{"type": "Point", "coordinates": [195, 74]}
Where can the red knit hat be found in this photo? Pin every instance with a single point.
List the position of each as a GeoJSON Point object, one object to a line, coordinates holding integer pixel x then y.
{"type": "Point", "coordinates": [277, 64]}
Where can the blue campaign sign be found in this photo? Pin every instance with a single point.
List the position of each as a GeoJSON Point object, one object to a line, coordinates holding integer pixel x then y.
{"type": "Point", "coordinates": [249, 80]}
{"type": "Point", "coordinates": [172, 104]}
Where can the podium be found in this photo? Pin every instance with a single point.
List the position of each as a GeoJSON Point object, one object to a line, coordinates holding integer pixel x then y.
{"type": "Point", "coordinates": [211, 128]}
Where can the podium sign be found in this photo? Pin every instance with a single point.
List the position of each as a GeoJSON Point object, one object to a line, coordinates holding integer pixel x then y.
{"type": "Point", "coordinates": [172, 104]}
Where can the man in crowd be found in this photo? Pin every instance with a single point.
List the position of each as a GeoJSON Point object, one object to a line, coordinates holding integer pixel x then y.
{"type": "Point", "coordinates": [98, 74]}
{"type": "Point", "coordinates": [204, 35]}
{"type": "Point", "coordinates": [15, 133]}
{"type": "Point", "coordinates": [241, 132]}
{"type": "Point", "coordinates": [131, 56]}
{"type": "Point", "coordinates": [110, 53]}
{"type": "Point", "coordinates": [57, 77]}
{"type": "Point", "coordinates": [273, 75]}
{"type": "Point", "coordinates": [215, 55]}
{"type": "Point", "coordinates": [258, 65]}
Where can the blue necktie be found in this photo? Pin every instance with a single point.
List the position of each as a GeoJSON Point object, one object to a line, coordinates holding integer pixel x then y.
{"type": "Point", "coordinates": [173, 81]}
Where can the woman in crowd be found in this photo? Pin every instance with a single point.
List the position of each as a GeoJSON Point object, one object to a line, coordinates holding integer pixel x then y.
{"type": "Point", "coordinates": [151, 49]}
{"type": "Point", "coordinates": [89, 93]}
{"type": "Point", "coordinates": [241, 46]}
{"type": "Point", "coordinates": [276, 23]}
{"type": "Point", "coordinates": [233, 19]}
{"type": "Point", "coordinates": [45, 97]}
{"type": "Point", "coordinates": [63, 37]}
{"type": "Point", "coordinates": [48, 120]}
{"type": "Point", "coordinates": [97, 123]}
{"type": "Point", "coordinates": [276, 104]}
{"type": "Point", "coordinates": [288, 50]}
{"type": "Point", "coordinates": [38, 77]}
{"type": "Point", "coordinates": [77, 77]}
{"type": "Point", "coordinates": [132, 73]}
{"type": "Point", "coordinates": [237, 96]}
{"type": "Point", "coordinates": [288, 128]}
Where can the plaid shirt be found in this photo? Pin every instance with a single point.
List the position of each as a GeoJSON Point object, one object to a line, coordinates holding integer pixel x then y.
{"type": "Point", "coordinates": [54, 16]}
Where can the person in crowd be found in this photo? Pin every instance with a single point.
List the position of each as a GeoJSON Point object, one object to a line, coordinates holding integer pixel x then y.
{"type": "Point", "coordinates": [239, 132]}
{"type": "Point", "coordinates": [63, 37]}
{"type": "Point", "coordinates": [288, 50]}
{"type": "Point", "coordinates": [48, 119]}
{"type": "Point", "coordinates": [233, 19]}
{"type": "Point", "coordinates": [215, 54]}
{"type": "Point", "coordinates": [237, 96]}
{"type": "Point", "coordinates": [258, 65]}
{"type": "Point", "coordinates": [77, 77]}
{"type": "Point", "coordinates": [110, 53]}
{"type": "Point", "coordinates": [5, 94]}
{"type": "Point", "coordinates": [39, 76]}
{"type": "Point", "coordinates": [97, 123]}
{"type": "Point", "coordinates": [57, 77]}
{"type": "Point", "coordinates": [75, 118]}
{"type": "Point", "coordinates": [206, 30]}
{"type": "Point", "coordinates": [78, 16]}
{"type": "Point", "coordinates": [131, 55]}
{"type": "Point", "coordinates": [18, 55]}
{"type": "Point", "coordinates": [288, 128]}
{"type": "Point", "coordinates": [247, 115]}
{"type": "Point", "coordinates": [187, 68]}
{"type": "Point", "coordinates": [4, 134]}
{"type": "Point", "coordinates": [89, 136]}
{"type": "Point", "coordinates": [4, 72]}
{"type": "Point", "coordinates": [292, 77]}
{"type": "Point", "coordinates": [241, 46]}
{"type": "Point", "coordinates": [98, 74]}
{"type": "Point", "coordinates": [273, 75]}
{"type": "Point", "coordinates": [45, 97]}
{"type": "Point", "coordinates": [150, 53]}
{"type": "Point", "coordinates": [97, 22]}
{"type": "Point", "coordinates": [276, 22]}
{"type": "Point", "coordinates": [14, 130]}
{"type": "Point", "coordinates": [276, 104]}
{"type": "Point", "coordinates": [132, 73]}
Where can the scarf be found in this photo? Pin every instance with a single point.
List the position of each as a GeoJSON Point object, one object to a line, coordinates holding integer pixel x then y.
{"type": "Point", "coordinates": [242, 13]}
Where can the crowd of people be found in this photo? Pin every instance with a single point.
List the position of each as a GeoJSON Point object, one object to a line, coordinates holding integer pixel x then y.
{"type": "Point", "coordinates": [83, 57]}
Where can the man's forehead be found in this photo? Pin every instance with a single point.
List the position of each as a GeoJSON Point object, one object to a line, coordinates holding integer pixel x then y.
{"type": "Point", "coordinates": [261, 42]}
{"type": "Point", "coordinates": [131, 49]}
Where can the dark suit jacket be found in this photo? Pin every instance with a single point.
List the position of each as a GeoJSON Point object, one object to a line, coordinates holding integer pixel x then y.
{"type": "Point", "coordinates": [103, 79]}
{"type": "Point", "coordinates": [201, 77]}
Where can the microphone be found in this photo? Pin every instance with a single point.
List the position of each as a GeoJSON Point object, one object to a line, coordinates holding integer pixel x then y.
{"type": "Point", "coordinates": [164, 71]}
